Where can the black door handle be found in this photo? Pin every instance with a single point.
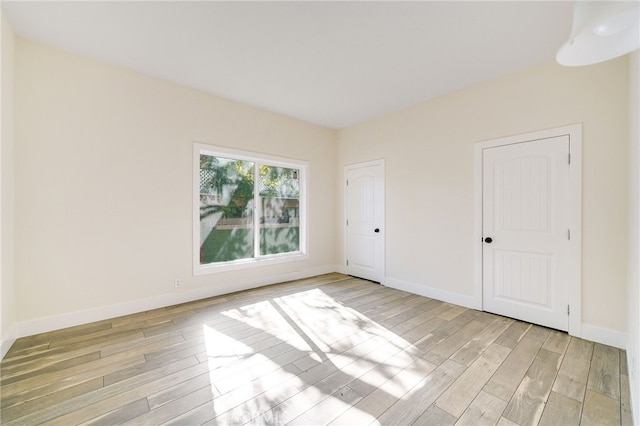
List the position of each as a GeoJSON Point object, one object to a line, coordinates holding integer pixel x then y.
{"type": "Point", "coordinates": [376, 230]}
{"type": "Point", "coordinates": [488, 240]}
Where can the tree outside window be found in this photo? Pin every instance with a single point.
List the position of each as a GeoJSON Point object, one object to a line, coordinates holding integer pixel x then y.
{"type": "Point", "coordinates": [248, 209]}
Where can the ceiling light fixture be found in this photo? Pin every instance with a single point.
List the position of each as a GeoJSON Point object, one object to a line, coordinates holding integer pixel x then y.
{"type": "Point", "coordinates": [602, 30]}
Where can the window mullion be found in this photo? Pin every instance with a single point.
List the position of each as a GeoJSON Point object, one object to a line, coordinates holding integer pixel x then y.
{"type": "Point", "coordinates": [257, 210]}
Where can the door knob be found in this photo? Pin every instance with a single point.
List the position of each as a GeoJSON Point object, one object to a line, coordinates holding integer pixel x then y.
{"type": "Point", "coordinates": [376, 230]}
{"type": "Point", "coordinates": [488, 240]}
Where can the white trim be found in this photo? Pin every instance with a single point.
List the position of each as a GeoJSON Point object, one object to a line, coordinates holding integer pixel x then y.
{"type": "Point", "coordinates": [42, 325]}
{"type": "Point", "coordinates": [249, 263]}
{"type": "Point", "coordinates": [614, 338]}
{"type": "Point", "coordinates": [57, 322]}
{"type": "Point", "coordinates": [575, 224]}
{"type": "Point", "coordinates": [574, 131]}
{"type": "Point", "coordinates": [470, 302]}
{"type": "Point", "coordinates": [8, 339]}
{"type": "Point", "coordinates": [301, 165]}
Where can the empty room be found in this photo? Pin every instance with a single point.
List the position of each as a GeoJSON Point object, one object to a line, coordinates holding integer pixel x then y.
{"type": "Point", "coordinates": [320, 213]}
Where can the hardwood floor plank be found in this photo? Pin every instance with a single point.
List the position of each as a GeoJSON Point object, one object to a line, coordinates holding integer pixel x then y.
{"type": "Point", "coordinates": [485, 410]}
{"type": "Point", "coordinates": [507, 378]}
{"type": "Point", "coordinates": [480, 342]}
{"type": "Point", "coordinates": [148, 344]}
{"type": "Point", "coordinates": [50, 368]}
{"type": "Point", "coordinates": [197, 416]}
{"type": "Point", "coordinates": [427, 309]}
{"type": "Point", "coordinates": [181, 389]}
{"type": "Point", "coordinates": [574, 371]}
{"type": "Point", "coordinates": [382, 375]}
{"type": "Point", "coordinates": [329, 408]}
{"type": "Point", "coordinates": [528, 402]}
{"type": "Point", "coordinates": [536, 332]}
{"type": "Point", "coordinates": [231, 408]}
{"type": "Point", "coordinates": [452, 313]}
{"type": "Point", "coordinates": [459, 322]}
{"type": "Point", "coordinates": [416, 334]}
{"type": "Point", "coordinates": [557, 342]}
{"type": "Point", "coordinates": [454, 342]}
{"type": "Point", "coordinates": [20, 350]}
{"type": "Point", "coordinates": [358, 384]}
{"type": "Point", "coordinates": [401, 379]}
{"type": "Point", "coordinates": [506, 422]}
{"type": "Point", "coordinates": [604, 375]}
{"type": "Point", "coordinates": [183, 350]}
{"type": "Point", "coordinates": [86, 406]}
{"type": "Point", "coordinates": [375, 351]}
{"type": "Point", "coordinates": [435, 416]}
{"type": "Point", "coordinates": [121, 397]}
{"type": "Point", "coordinates": [561, 410]}
{"type": "Point", "coordinates": [413, 404]}
{"type": "Point", "coordinates": [513, 334]}
{"type": "Point", "coordinates": [22, 407]}
{"type": "Point", "coordinates": [121, 414]}
{"type": "Point", "coordinates": [623, 363]}
{"type": "Point", "coordinates": [57, 335]}
{"type": "Point", "coordinates": [73, 375]}
{"type": "Point", "coordinates": [464, 390]}
{"type": "Point", "coordinates": [626, 417]}
{"type": "Point", "coordinates": [600, 410]}
{"type": "Point", "coordinates": [175, 408]}
{"type": "Point", "coordinates": [59, 354]}
{"type": "Point", "coordinates": [399, 318]}
{"type": "Point", "coordinates": [280, 355]}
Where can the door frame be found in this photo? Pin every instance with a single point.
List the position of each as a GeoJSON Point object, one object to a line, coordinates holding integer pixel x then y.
{"type": "Point", "coordinates": [346, 169]}
{"type": "Point", "coordinates": [574, 131]}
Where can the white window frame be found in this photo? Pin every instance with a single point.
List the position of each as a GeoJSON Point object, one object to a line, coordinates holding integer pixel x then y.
{"type": "Point", "coordinates": [259, 260]}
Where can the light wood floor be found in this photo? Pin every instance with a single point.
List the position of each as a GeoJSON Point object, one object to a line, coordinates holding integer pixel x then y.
{"type": "Point", "coordinates": [327, 350]}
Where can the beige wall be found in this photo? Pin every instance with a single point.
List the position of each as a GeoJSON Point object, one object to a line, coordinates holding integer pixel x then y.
{"type": "Point", "coordinates": [633, 333]}
{"type": "Point", "coordinates": [104, 186]}
{"type": "Point", "coordinates": [7, 285]}
{"type": "Point", "coordinates": [428, 150]}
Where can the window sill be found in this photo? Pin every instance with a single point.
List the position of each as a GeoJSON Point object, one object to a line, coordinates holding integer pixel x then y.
{"type": "Point", "coordinates": [235, 265]}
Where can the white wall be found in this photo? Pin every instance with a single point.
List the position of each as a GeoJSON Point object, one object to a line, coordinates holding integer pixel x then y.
{"type": "Point", "coordinates": [633, 334]}
{"type": "Point", "coordinates": [7, 285]}
{"type": "Point", "coordinates": [428, 150]}
{"type": "Point", "coordinates": [104, 188]}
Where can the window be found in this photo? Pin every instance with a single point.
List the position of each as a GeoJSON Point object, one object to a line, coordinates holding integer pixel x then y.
{"type": "Point", "coordinates": [249, 209]}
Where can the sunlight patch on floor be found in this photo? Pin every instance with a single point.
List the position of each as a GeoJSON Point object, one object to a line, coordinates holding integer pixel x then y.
{"type": "Point", "coordinates": [316, 329]}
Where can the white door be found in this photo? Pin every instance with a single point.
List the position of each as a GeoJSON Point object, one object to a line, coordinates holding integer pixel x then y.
{"type": "Point", "coordinates": [365, 221]}
{"type": "Point", "coordinates": [525, 220]}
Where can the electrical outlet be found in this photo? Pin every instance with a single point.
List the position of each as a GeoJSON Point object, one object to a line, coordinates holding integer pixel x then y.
{"type": "Point", "coordinates": [177, 284]}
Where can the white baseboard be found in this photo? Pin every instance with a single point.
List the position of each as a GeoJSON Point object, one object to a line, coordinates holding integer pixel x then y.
{"type": "Point", "coordinates": [8, 339]}
{"type": "Point", "coordinates": [594, 333]}
{"type": "Point", "coordinates": [57, 322]}
{"type": "Point", "coordinates": [471, 302]}
{"type": "Point", "coordinates": [605, 336]}
{"type": "Point", "coordinates": [42, 325]}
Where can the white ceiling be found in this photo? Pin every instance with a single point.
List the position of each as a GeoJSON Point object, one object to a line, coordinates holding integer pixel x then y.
{"type": "Point", "coordinates": [330, 63]}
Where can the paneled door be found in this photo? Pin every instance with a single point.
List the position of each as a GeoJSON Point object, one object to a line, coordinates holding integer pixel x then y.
{"type": "Point", "coordinates": [365, 220]}
{"type": "Point", "coordinates": [525, 229]}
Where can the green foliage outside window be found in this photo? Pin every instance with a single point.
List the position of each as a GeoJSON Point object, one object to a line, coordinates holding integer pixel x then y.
{"type": "Point", "coordinates": [227, 209]}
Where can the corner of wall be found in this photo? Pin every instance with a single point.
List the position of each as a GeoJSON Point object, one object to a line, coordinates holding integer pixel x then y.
{"type": "Point", "coordinates": [7, 284]}
{"type": "Point", "coordinates": [633, 275]}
